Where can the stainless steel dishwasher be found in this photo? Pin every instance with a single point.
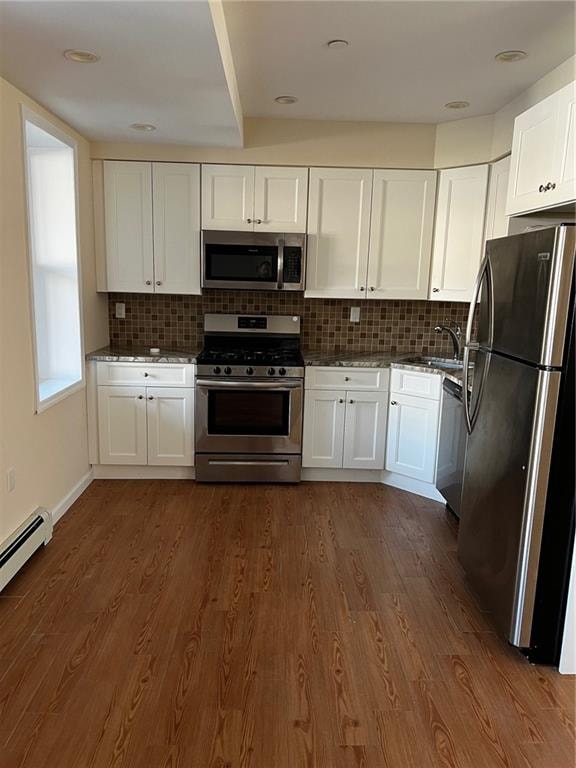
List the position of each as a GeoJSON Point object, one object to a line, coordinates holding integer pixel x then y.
{"type": "Point", "coordinates": [451, 446]}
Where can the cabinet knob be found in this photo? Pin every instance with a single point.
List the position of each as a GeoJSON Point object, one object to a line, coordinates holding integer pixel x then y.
{"type": "Point", "coordinates": [372, 288]}
{"type": "Point", "coordinates": [435, 290]}
{"type": "Point", "coordinates": [552, 185]}
{"type": "Point", "coordinates": [351, 402]}
{"type": "Point", "coordinates": [362, 288]}
{"type": "Point", "coordinates": [249, 221]}
{"type": "Point", "coordinates": [148, 282]}
{"type": "Point", "coordinates": [146, 375]}
{"type": "Point", "coordinates": [158, 282]}
{"type": "Point", "coordinates": [393, 402]}
{"type": "Point", "coordinates": [150, 397]}
{"type": "Point", "coordinates": [346, 378]}
{"type": "Point", "coordinates": [340, 400]}
{"type": "Point", "coordinates": [541, 188]}
{"type": "Point", "coordinates": [257, 221]}
{"type": "Point", "coordinates": [140, 397]}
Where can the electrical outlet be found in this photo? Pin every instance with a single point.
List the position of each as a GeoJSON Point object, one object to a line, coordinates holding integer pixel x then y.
{"type": "Point", "coordinates": [120, 310]}
{"type": "Point", "coordinates": [354, 314]}
{"type": "Point", "coordinates": [11, 479]}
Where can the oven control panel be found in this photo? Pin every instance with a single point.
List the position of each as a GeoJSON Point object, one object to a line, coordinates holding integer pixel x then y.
{"type": "Point", "coordinates": [250, 371]}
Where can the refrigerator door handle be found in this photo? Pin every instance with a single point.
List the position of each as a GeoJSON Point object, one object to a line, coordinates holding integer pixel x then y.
{"type": "Point", "coordinates": [469, 344]}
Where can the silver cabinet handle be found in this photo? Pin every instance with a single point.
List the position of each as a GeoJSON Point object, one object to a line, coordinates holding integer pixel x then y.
{"type": "Point", "coordinates": [148, 282]}
{"type": "Point", "coordinates": [140, 397]}
{"type": "Point", "coordinates": [435, 290]}
{"type": "Point", "coordinates": [150, 397]}
{"type": "Point", "coordinates": [393, 402]}
{"type": "Point", "coordinates": [340, 400]}
{"type": "Point", "coordinates": [158, 282]}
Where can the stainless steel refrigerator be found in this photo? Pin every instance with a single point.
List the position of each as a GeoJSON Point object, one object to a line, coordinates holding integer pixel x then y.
{"type": "Point", "coordinates": [517, 521]}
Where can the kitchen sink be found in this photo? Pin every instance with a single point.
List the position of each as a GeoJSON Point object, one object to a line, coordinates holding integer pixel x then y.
{"type": "Point", "coordinates": [445, 364]}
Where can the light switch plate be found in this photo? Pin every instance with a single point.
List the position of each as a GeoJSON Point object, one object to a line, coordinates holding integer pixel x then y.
{"type": "Point", "coordinates": [354, 314]}
{"type": "Point", "coordinates": [120, 310]}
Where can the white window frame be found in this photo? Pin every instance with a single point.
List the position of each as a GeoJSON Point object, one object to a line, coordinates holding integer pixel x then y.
{"type": "Point", "coordinates": [29, 116]}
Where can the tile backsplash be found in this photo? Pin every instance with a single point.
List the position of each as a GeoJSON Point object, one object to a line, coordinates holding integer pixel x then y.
{"type": "Point", "coordinates": [176, 321]}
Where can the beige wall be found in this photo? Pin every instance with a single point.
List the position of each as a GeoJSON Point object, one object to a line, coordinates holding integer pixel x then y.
{"type": "Point", "coordinates": [49, 450]}
{"type": "Point", "coordinates": [300, 142]}
{"type": "Point", "coordinates": [480, 139]}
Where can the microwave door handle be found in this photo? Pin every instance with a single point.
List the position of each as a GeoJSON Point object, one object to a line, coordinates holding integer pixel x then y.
{"type": "Point", "coordinates": [281, 263]}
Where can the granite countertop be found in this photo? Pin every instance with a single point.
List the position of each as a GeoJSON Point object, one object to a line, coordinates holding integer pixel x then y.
{"type": "Point", "coordinates": [141, 355]}
{"type": "Point", "coordinates": [355, 359]}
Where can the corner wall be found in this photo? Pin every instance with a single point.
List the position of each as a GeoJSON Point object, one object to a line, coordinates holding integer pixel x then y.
{"type": "Point", "coordinates": [48, 451]}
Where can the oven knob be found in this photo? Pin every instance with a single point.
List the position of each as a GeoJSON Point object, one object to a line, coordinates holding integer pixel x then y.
{"type": "Point", "coordinates": [249, 371]}
{"type": "Point", "coordinates": [227, 370]}
{"type": "Point", "coordinates": [217, 370]}
{"type": "Point", "coordinates": [271, 371]}
{"type": "Point", "coordinates": [282, 371]}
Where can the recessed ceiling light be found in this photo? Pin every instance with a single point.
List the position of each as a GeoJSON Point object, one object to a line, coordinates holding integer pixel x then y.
{"type": "Point", "coordinates": [286, 99]}
{"type": "Point", "coordinates": [457, 104]}
{"type": "Point", "coordinates": [145, 127]}
{"type": "Point", "coordinates": [81, 57]}
{"type": "Point", "coordinates": [507, 57]}
{"type": "Point", "coordinates": [337, 44]}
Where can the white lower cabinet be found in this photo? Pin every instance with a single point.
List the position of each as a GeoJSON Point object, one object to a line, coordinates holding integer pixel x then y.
{"type": "Point", "coordinates": [345, 428]}
{"type": "Point", "coordinates": [122, 425]}
{"type": "Point", "coordinates": [365, 430]}
{"type": "Point", "coordinates": [142, 425]}
{"type": "Point", "coordinates": [412, 436]}
{"type": "Point", "coordinates": [170, 416]}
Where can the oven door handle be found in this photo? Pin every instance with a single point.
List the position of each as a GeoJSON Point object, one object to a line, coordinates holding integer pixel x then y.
{"type": "Point", "coordinates": [279, 387]}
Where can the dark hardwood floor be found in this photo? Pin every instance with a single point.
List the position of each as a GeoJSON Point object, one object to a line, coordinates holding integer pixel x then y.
{"type": "Point", "coordinates": [318, 626]}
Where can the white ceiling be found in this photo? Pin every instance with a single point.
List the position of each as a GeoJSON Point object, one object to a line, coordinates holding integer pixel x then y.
{"type": "Point", "coordinates": [405, 59]}
{"type": "Point", "coordinates": [160, 64]}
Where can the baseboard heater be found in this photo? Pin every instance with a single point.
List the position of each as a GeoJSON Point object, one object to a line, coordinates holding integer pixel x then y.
{"type": "Point", "coordinates": [32, 534]}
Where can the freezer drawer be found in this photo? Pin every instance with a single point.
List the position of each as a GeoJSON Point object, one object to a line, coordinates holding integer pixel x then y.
{"type": "Point", "coordinates": [504, 491]}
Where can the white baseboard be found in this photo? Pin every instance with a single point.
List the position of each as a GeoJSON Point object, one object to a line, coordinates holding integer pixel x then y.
{"type": "Point", "coordinates": [418, 487]}
{"type": "Point", "coordinates": [321, 474]}
{"type": "Point", "coordinates": [141, 472]}
{"type": "Point", "coordinates": [64, 505]}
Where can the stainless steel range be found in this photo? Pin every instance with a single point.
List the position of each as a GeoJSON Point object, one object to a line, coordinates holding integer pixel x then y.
{"type": "Point", "coordinates": [249, 398]}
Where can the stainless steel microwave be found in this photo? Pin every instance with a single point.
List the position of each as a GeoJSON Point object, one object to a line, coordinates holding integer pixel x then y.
{"type": "Point", "coordinates": [267, 261]}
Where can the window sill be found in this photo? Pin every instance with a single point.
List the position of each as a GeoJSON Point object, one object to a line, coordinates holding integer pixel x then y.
{"type": "Point", "coordinates": [52, 391]}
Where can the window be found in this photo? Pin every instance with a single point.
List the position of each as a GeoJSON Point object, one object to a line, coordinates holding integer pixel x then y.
{"type": "Point", "coordinates": [51, 197]}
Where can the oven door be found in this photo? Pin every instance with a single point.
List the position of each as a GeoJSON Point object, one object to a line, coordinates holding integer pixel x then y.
{"type": "Point", "coordinates": [248, 416]}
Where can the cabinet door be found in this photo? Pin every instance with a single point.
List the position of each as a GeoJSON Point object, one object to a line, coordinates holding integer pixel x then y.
{"type": "Point", "coordinates": [565, 163]}
{"type": "Point", "coordinates": [401, 234]}
{"type": "Point", "coordinates": [338, 232]}
{"type": "Point", "coordinates": [170, 426]}
{"type": "Point", "coordinates": [365, 430]}
{"type": "Point", "coordinates": [228, 197]}
{"type": "Point", "coordinates": [128, 220]}
{"type": "Point", "coordinates": [496, 218]}
{"type": "Point", "coordinates": [280, 199]}
{"type": "Point", "coordinates": [323, 435]}
{"type": "Point", "coordinates": [176, 227]}
{"type": "Point", "coordinates": [533, 156]}
{"type": "Point", "coordinates": [122, 425]}
{"type": "Point", "coordinates": [459, 233]}
{"type": "Point", "coordinates": [412, 437]}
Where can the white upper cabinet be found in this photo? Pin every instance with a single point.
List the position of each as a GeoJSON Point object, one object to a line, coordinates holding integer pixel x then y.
{"type": "Point", "coordinates": [228, 197]}
{"type": "Point", "coordinates": [176, 208]}
{"type": "Point", "coordinates": [152, 226]}
{"type": "Point", "coordinates": [128, 215]}
{"type": "Point", "coordinates": [401, 234]}
{"type": "Point", "coordinates": [280, 199]}
{"type": "Point", "coordinates": [496, 218]}
{"type": "Point", "coordinates": [543, 172]}
{"type": "Point", "coordinates": [459, 232]}
{"type": "Point", "coordinates": [260, 199]}
{"type": "Point", "coordinates": [338, 232]}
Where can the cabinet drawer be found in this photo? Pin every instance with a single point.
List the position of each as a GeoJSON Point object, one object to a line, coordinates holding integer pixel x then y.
{"type": "Point", "coordinates": [406, 382]}
{"type": "Point", "coordinates": [346, 378]}
{"type": "Point", "coordinates": [150, 374]}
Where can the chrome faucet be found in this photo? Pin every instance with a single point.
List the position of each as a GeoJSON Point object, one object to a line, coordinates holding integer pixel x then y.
{"type": "Point", "coordinates": [455, 332]}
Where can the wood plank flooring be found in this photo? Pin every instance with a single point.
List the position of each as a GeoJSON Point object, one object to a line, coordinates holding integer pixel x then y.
{"type": "Point", "coordinates": [316, 626]}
